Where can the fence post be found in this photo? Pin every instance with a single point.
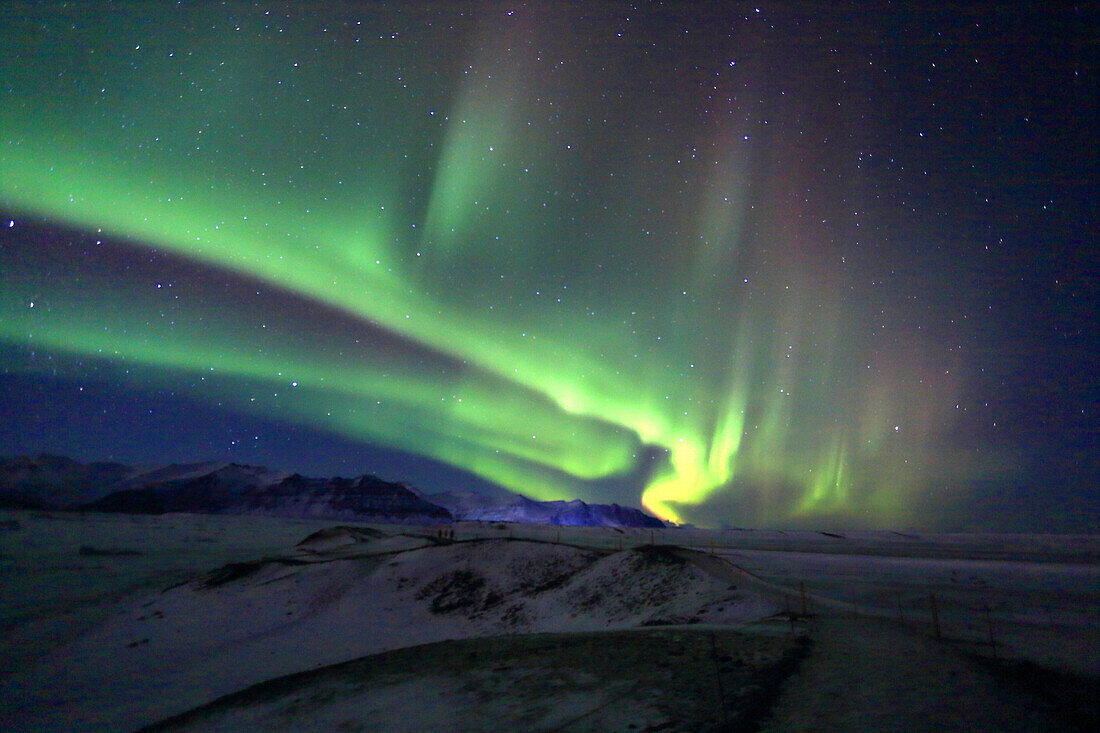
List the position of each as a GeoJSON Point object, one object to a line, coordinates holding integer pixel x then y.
{"type": "Point", "coordinates": [718, 673]}
{"type": "Point", "coordinates": [935, 615]}
{"type": "Point", "coordinates": [989, 625]}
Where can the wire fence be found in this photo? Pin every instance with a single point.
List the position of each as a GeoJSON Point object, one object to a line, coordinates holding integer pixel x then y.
{"type": "Point", "coordinates": [986, 610]}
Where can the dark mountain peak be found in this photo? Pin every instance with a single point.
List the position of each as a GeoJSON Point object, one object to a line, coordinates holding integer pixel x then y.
{"type": "Point", "coordinates": [18, 465]}
{"type": "Point", "coordinates": [298, 482]}
{"type": "Point", "coordinates": [52, 481]}
{"type": "Point", "coordinates": [227, 487]}
{"type": "Point", "coordinates": [369, 480]}
{"type": "Point", "coordinates": [42, 463]}
{"type": "Point", "coordinates": [519, 508]}
{"type": "Point", "coordinates": [53, 462]}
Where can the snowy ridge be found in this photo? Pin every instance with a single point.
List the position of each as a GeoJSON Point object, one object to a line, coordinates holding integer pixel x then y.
{"type": "Point", "coordinates": [346, 592]}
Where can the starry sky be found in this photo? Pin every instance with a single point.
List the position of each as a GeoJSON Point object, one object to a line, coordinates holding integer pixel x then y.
{"type": "Point", "coordinates": [757, 265]}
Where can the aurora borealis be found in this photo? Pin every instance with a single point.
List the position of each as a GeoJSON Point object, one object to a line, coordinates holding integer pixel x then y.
{"type": "Point", "coordinates": [743, 265]}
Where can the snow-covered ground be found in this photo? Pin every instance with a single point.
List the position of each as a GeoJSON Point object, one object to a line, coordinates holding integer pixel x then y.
{"type": "Point", "coordinates": [111, 621]}
{"type": "Point", "coordinates": [51, 590]}
{"type": "Point", "coordinates": [324, 601]}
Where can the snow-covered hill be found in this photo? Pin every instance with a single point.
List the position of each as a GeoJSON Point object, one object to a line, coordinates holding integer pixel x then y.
{"type": "Point", "coordinates": [346, 592]}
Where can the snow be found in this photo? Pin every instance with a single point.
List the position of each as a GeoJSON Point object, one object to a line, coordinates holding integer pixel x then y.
{"type": "Point", "coordinates": [215, 604]}
{"type": "Point", "coordinates": [301, 610]}
{"type": "Point", "coordinates": [876, 677]}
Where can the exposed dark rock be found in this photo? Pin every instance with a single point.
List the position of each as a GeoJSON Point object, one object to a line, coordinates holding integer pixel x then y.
{"type": "Point", "coordinates": [232, 491]}
{"type": "Point", "coordinates": [89, 551]}
{"type": "Point", "coordinates": [348, 535]}
{"type": "Point", "coordinates": [574, 513]}
{"type": "Point", "coordinates": [46, 482]}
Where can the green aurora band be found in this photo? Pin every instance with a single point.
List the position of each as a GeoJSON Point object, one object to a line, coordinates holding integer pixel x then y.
{"type": "Point", "coordinates": [574, 331]}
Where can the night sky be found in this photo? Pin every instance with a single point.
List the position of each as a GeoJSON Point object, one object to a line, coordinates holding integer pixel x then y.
{"type": "Point", "coordinates": [773, 265]}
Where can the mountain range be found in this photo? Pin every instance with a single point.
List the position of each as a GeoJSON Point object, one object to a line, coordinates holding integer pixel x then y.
{"type": "Point", "coordinates": [217, 487]}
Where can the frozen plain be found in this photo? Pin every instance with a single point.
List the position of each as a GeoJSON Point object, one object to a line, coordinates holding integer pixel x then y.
{"type": "Point", "coordinates": [113, 621]}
